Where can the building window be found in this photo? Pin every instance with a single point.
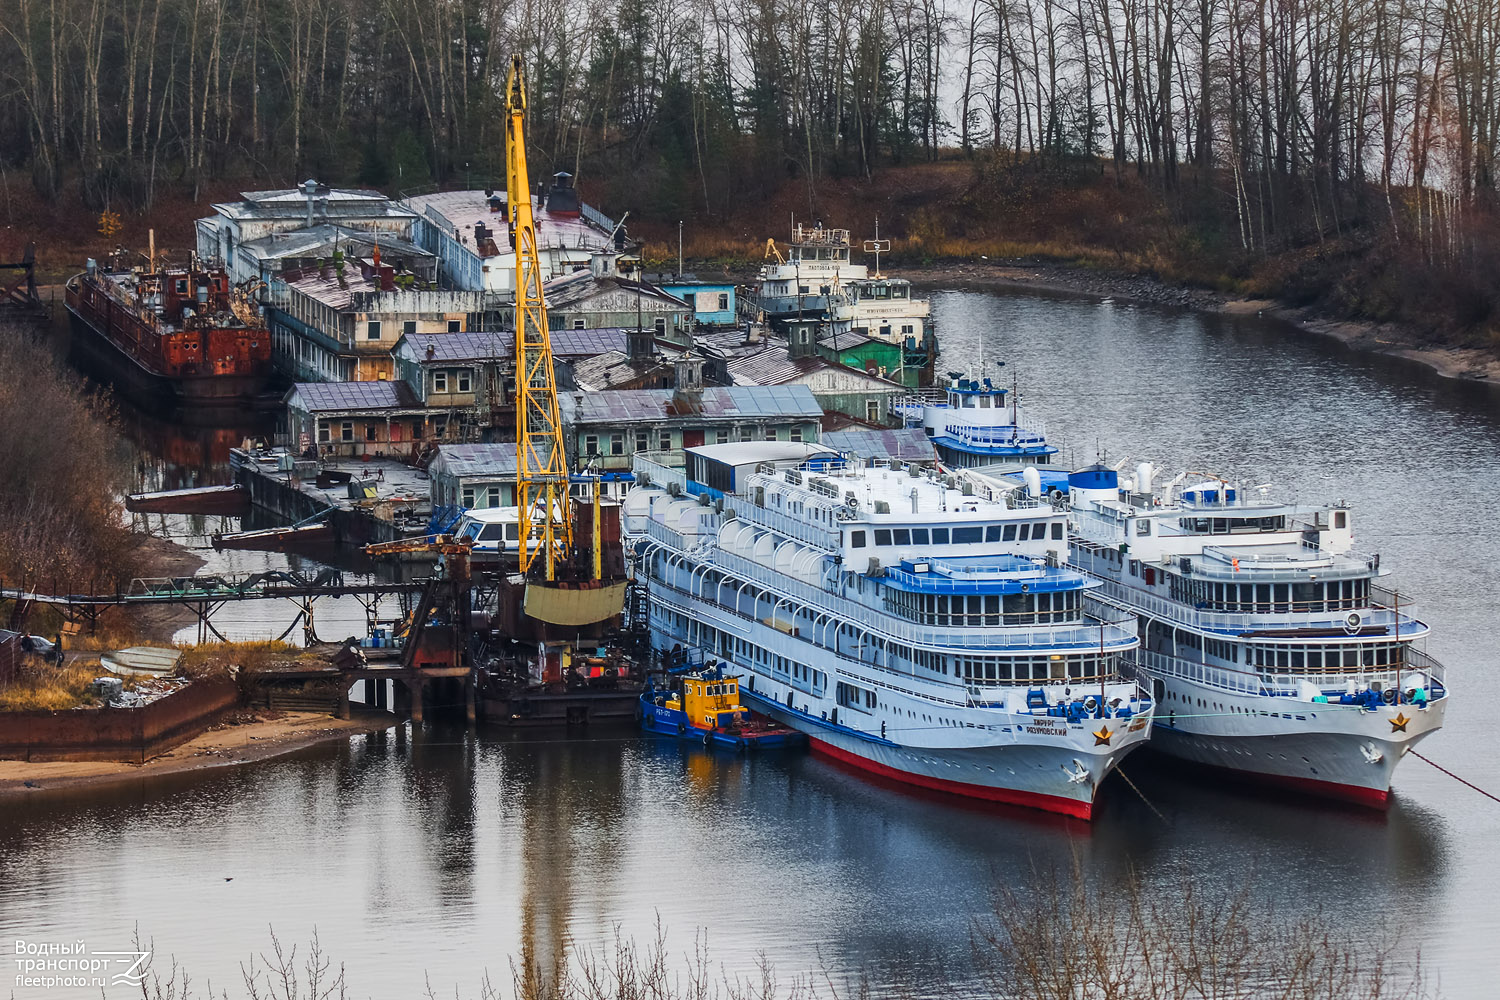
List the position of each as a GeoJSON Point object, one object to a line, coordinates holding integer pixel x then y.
{"type": "Point", "coordinates": [666, 440]}
{"type": "Point", "coordinates": [723, 302]}
{"type": "Point", "coordinates": [455, 325]}
{"type": "Point", "coordinates": [579, 323]}
{"type": "Point", "coordinates": [409, 328]}
{"type": "Point", "coordinates": [721, 436]}
{"type": "Point", "coordinates": [617, 444]}
{"type": "Point", "coordinates": [770, 434]}
{"type": "Point", "coordinates": [323, 431]}
{"type": "Point", "coordinates": [346, 431]}
{"type": "Point", "coordinates": [372, 330]}
{"type": "Point", "coordinates": [661, 324]}
{"type": "Point", "coordinates": [468, 497]}
{"type": "Point", "coordinates": [369, 432]}
{"type": "Point", "coordinates": [747, 434]}
{"type": "Point", "coordinates": [591, 444]}
{"type": "Point", "coordinates": [872, 409]}
{"type": "Point", "coordinates": [463, 381]}
{"type": "Point", "coordinates": [857, 539]}
{"type": "Point", "coordinates": [691, 300]}
{"type": "Point", "coordinates": [642, 441]}
{"type": "Point", "coordinates": [494, 496]}
{"type": "Point", "coordinates": [795, 434]}
{"type": "Point", "coordinates": [439, 381]}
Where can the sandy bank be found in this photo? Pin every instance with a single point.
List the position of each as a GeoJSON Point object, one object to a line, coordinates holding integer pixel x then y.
{"type": "Point", "coordinates": [260, 737]}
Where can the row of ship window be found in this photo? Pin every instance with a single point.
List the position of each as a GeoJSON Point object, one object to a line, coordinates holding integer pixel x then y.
{"type": "Point", "coordinates": [1272, 598]}
{"type": "Point", "coordinates": [969, 535]}
{"type": "Point", "coordinates": [1285, 659]}
{"type": "Point", "coordinates": [1056, 607]}
{"type": "Point", "coordinates": [614, 444]}
{"type": "Point", "coordinates": [972, 669]}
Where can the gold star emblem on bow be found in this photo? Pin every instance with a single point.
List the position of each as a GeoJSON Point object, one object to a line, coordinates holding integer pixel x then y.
{"type": "Point", "coordinates": [1398, 724]}
{"type": "Point", "coordinates": [1101, 736]}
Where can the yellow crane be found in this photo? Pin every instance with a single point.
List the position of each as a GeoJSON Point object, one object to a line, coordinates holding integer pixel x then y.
{"type": "Point", "coordinates": [541, 464]}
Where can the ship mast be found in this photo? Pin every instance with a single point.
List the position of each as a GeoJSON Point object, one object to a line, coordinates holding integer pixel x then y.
{"type": "Point", "coordinates": [541, 464]}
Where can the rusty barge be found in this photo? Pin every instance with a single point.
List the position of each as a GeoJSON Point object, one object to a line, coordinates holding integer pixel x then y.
{"type": "Point", "coordinates": [171, 335]}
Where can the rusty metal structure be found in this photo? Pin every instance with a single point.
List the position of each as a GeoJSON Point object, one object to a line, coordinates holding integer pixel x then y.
{"type": "Point", "coordinates": [19, 292]}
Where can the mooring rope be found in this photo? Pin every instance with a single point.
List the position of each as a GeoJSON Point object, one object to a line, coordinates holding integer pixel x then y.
{"type": "Point", "coordinates": [1462, 781]}
{"type": "Point", "coordinates": [1120, 769]}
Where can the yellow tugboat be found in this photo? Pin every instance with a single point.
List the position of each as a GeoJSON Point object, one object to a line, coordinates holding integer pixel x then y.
{"type": "Point", "coordinates": [707, 708]}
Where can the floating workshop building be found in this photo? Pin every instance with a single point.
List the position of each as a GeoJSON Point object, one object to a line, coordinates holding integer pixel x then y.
{"type": "Point", "coordinates": [340, 323]}
{"type": "Point", "coordinates": [608, 428]}
{"type": "Point", "coordinates": [469, 233]}
{"type": "Point", "coordinates": [259, 214]}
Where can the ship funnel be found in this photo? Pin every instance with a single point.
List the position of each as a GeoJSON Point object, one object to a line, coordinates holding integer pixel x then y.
{"type": "Point", "coordinates": [1033, 480]}
{"type": "Point", "coordinates": [1143, 473]}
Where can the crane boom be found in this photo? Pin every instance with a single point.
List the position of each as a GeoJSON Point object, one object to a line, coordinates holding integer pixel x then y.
{"type": "Point", "coordinates": [541, 464]}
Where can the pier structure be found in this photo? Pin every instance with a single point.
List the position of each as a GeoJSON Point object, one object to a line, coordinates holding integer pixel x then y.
{"type": "Point", "coordinates": [205, 595]}
{"type": "Point", "coordinates": [363, 500]}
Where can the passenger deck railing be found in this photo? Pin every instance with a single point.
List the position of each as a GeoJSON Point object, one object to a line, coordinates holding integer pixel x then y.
{"type": "Point", "coordinates": [1238, 623]}
{"type": "Point", "coordinates": [991, 638]}
{"type": "Point", "coordinates": [1281, 685]}
{"type": "Point", "coordinates": [828, 539]}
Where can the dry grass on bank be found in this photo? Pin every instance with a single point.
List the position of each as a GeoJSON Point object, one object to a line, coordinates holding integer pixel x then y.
{"type": "Point", "coordinates": [215, 658]}
{"type": "Point", "coordinates": [43, 686]}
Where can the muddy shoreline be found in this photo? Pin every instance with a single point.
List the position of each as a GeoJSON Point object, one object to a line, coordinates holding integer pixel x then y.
{"type": "Point", "coordinates": [1469, 364]}
{"type": "Point", "coordinates": [249, 739]}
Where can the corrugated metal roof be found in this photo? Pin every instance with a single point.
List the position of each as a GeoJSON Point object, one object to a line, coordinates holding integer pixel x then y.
{"type": "Point", "coordinates": [609, 369]}
{"type": "Point", "coordinates": [328, 290]}
{"type": "Point", "coordinates": [909, 444]}
{"type": "Point", "coordinates": [718, 402]}
{"type": "Point", "coordinates": [466, 345]}
{"type": "Point", "coordinates": [584, 343]}
{"type": "Point", "coordinates": [843, 340]}
{"type": "Point", "coordinates": [572, 289]}
{"type": "Point", "coordinates": [771, 366]}
{"type": "Point", "coordinates": [344, 396]}
{"type": "Point", "coordinates": [298, 242]}
{"type": "Point", "coordinates": [461, 460]}
{"type": "Point", "coordinates": [292, 204]}
{"type": "Point", "coordinates": [465, 208]}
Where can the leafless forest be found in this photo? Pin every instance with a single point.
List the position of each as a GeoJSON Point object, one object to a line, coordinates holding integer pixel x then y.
{"type": "Point", "coordinates": [1256, 125]}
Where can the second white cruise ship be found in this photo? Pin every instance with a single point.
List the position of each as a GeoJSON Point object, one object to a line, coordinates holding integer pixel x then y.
{"type": "Point", "coordinates": [1271, 649]}
{"type": "Point", "coordinates": [918, 626]}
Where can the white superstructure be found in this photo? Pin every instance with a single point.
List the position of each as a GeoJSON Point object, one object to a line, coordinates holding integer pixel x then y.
{"type": "Point", "coordinates": [917, 626]}
{"type": "Point", "coordinates": [817, 263]}
{"type": "Point", "coordinates": [971, 424]}
{"type": "Point", "coordinates": [1270, 648]}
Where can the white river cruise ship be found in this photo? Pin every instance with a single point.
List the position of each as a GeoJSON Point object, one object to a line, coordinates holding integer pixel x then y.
{"type": "Point", "coordinates": [1270, 649]}
{"type": "Point", "coordinates": [918, 626]}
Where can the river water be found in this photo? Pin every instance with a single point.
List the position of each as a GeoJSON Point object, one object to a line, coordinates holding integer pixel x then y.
{"type": "Point", "coordinates": [434, 856]}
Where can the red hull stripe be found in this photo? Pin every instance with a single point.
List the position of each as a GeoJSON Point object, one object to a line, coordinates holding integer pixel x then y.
{"type": "Point", "coordinates": [1375, 798]}
{"type": "Point", "coordinates": [1033, 800]}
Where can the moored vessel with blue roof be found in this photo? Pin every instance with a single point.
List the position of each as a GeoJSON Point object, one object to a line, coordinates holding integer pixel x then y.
{"type": "Point", "coordinates": [972, 423]}
{"type": "Point", "coordinates": [919, 626]}
{"type": "Point", "coordinates": [1271, 648]}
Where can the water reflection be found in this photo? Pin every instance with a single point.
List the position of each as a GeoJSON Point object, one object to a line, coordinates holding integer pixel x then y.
{"type": "Point", "coordinates": [437, 856]}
